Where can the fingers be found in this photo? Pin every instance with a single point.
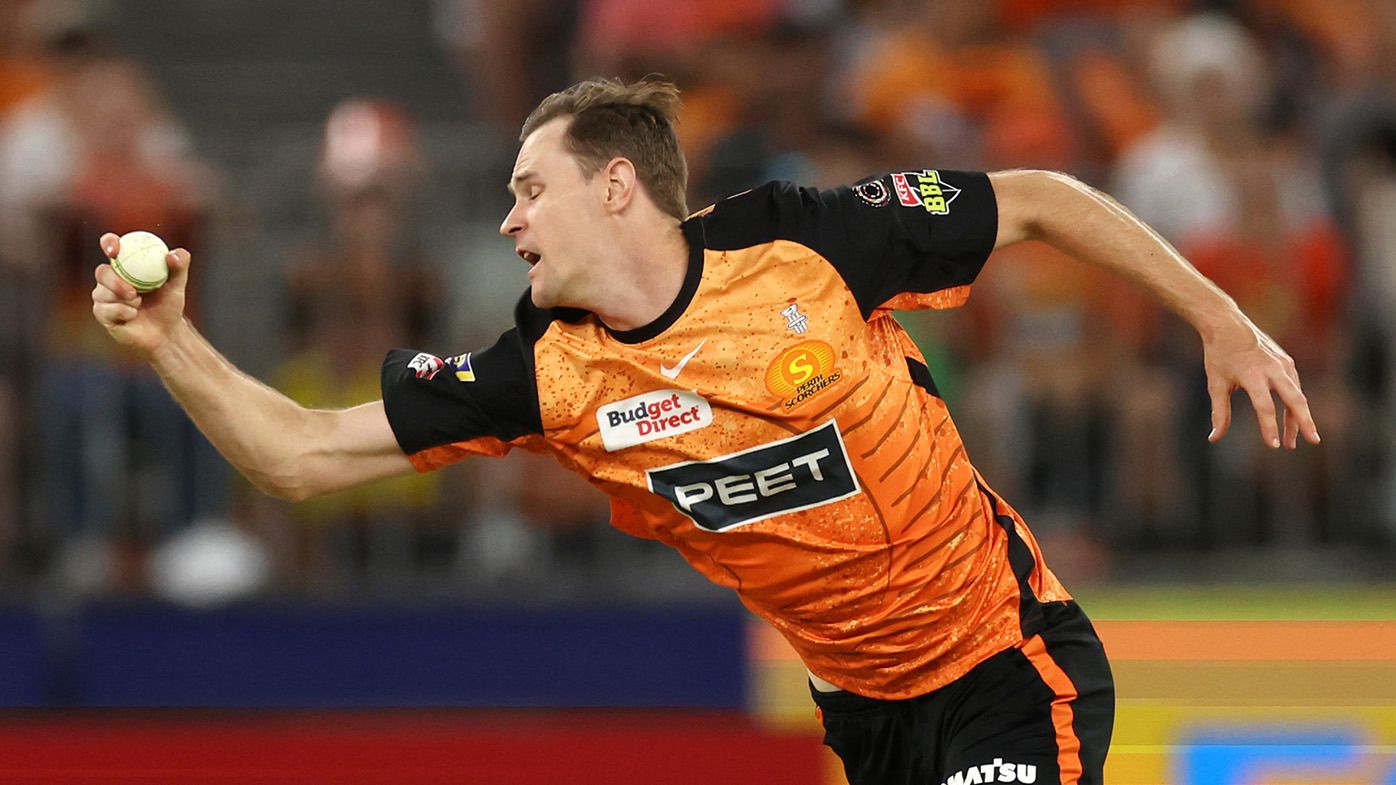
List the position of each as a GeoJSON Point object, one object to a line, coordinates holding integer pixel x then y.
{"type": "Point", "coordinates": [1293, 420]}
{"type": "Point", "coordinates": [108, 280]}
{"type": "Point", "coordinates": [111, 245]}
{"type": "Point", "coordinates": [1259, 366]}
{"type": "Point", "coordinates": [114, 314]}
{"type": "Point", "coordinates": [178, 261]}
{"type": "Point", "coordinates": [1297, 415]}
{"type": "Point", "coordinates": [1291, 423]}
{"type": "Point", "coordinates": [1221, 411]}
{"type": "Point", "coordinates": [1265, 412]}
{"type": "Point", "coordinates": [101, 294]}
{"type": "Point", "coordinates": [114, 302]}
{"type": "Point", "coordinates": [178, 258]}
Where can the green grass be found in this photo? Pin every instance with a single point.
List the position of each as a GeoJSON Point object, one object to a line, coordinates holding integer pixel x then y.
{"type": "Point", "coordinates": [1278, 602]}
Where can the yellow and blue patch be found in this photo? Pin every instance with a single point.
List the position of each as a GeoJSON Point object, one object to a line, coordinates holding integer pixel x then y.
{"type": "Point", "coordinates": [461, 364]}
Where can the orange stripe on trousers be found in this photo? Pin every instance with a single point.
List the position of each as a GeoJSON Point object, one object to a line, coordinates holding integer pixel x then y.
{"type": "Point", "coordinates": [1068, 746]}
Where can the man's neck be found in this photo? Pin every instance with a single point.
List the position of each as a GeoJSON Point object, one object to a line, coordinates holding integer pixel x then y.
{"type": "Point", "coordinates": [651, 274]}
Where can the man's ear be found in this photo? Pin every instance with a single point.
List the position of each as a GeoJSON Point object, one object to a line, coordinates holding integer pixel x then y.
{"type": "Point", "coordinates": [621, 182]}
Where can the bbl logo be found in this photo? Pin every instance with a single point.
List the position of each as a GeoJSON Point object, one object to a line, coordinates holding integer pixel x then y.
{"type": "Point", "coordinates": [925, 189]}
{"type": "Point", "coordinates": [798, 473]}
{"type": "Point", "coordinates": [802, 372]}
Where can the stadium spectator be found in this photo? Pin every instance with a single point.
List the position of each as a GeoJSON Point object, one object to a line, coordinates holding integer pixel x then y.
{"type": "Point", "coordinates": [121, 466]}
{"type": "Point", "coordinates": [1221, 136]}
{"type": "Point", "coordinates": [629, 36]}
{"type": "Point", "coordinates": [943, 82]}
{"type": "Point", "coordinates": [23, 75]}
{"type": "Point", "coordinates": [1358, 152]}
{"type": "Point", "coordinates": [364, 284]}
{"type": "Point", "coordinates": [1223, 179]}
{"type": "Point", "coordinates": [508, 54]}
{"type": "Point", "coordinates": [1209, 71]}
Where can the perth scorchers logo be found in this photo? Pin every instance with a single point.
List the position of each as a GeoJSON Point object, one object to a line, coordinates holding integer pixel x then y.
{"type": "Point", "coordinates": [802, 371]}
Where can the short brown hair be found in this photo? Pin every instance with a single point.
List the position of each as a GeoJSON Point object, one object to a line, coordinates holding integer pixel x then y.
{"type": "Point", "coordinates": [612, 119]}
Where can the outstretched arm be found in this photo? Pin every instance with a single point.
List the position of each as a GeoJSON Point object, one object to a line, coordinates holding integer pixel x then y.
{"type": "Point", "coordinates": [1077, 219]}
{"type": "Point", "coordinates": [284, 449]}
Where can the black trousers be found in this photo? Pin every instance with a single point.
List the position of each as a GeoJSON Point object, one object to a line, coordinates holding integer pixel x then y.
{"type": "Point", "coordinates": [1038, 713]}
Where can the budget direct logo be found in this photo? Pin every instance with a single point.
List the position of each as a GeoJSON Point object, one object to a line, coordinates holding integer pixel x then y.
{"type": "Point", "coordinates": [789, 475]}
{"type": "Point", "coordinates": [801, 372]}
{"type": "Point", "coordinates": [653, 415]}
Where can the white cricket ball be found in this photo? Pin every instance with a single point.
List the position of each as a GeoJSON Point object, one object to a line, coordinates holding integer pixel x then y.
{"type": "Point", "coordinates": [141, 261]}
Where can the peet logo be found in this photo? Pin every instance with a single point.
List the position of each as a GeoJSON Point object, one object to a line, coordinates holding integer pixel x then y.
{"type": "Point", "coordinates": [798, 473]}
{"type": "Point", "coordinates": [653, 415]}
{"type": "Point", "coordinates": [998, 771]}
{"type": "Point", "coordinates": [925, 189]}
{"type": "Point", "coordinates": [801, 372]}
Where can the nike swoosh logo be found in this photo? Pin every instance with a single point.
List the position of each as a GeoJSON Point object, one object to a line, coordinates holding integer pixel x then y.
{"type": "Point", "coordinates": [673, 373]}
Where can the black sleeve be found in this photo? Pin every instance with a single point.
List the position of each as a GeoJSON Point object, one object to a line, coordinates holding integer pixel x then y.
{"type": "Point", "coordinates": [432, 400]}
{"type": "Point", "coordinates": [903, 232]}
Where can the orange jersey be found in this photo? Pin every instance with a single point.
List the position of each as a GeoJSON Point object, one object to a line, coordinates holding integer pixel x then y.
{"type": "Point", "coordinates": [777, 427]}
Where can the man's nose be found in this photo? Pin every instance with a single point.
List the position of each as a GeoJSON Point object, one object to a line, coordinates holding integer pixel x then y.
{"type": "Point", "coordinates": [512, 223]}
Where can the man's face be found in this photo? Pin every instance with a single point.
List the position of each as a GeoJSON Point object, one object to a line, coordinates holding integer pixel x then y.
{"type": "Point", "coordinates": [557, 218]}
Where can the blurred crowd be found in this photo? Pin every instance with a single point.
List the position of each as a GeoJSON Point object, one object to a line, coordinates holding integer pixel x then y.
{"type": "Point", "coordinates": [1257, 136]}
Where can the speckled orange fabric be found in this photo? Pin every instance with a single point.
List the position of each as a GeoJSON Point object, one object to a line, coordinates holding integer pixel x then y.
{"type": "Point", "coordinates": [891, 592]}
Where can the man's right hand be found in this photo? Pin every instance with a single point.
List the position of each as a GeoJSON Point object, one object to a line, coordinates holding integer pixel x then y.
{"type": "Point", "coordinates": [142, 322]}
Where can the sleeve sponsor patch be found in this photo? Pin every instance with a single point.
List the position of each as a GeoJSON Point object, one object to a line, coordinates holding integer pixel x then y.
{"type": "Point", "coordinates": [461, 364]}
{"type": "Point", "coordinates": [924, 189]}
{"type": "Point", "coordinates": [426, 366]}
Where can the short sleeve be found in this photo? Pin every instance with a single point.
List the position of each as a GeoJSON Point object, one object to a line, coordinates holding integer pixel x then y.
{"type": "Point", "coordinates": [917, 233]}
{"type": "Point", "coordinates": [432, 401]}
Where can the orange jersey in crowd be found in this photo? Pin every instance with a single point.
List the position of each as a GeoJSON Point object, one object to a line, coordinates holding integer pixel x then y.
{"type": "Point", "coordinates": [777, 427]}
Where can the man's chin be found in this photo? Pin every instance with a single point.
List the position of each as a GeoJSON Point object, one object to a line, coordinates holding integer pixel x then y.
{"type": "Point", "coordinates": [549, 297]}
{"type": "Point", "coordinates": [541, 298]}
